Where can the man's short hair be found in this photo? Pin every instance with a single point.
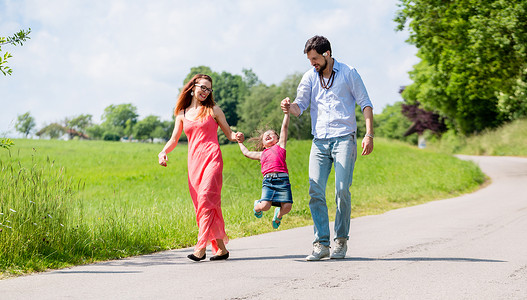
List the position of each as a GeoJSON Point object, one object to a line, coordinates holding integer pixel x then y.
{"type": "Point", "coordinates": [319, 44]}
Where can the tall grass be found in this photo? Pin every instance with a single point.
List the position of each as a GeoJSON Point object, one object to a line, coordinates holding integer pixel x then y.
{"type": "Point", "coordinates": [34, 207]}
{"type": "Point", "coordinates": [74, 202]}
{"type": "Point", "coordinates": [507, 140]}
{"type": "Point", "coordinates": [510, 139]}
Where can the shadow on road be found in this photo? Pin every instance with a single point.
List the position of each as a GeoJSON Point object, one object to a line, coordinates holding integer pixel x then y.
{"type": "Point", "coordinates": [449, 259]}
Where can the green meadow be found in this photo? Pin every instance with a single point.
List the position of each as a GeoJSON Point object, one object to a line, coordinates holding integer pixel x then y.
{"type": "Point", "coordinates": [510, 139]}
{"type": "Point", "coordinates": [65, 203]}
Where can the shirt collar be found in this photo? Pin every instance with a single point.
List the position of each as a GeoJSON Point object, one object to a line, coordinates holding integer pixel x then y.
{"type": "Point", "coordinates": [336, 66]}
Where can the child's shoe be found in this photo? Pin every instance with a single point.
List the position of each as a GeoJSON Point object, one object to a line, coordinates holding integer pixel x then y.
{"type": "Point", "coordinates": [276, 218]}
{"type": "Point", "coordinates": [257, 214]}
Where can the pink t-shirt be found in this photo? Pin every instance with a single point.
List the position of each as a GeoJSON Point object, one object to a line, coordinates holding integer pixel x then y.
{"type": "Point", "coordinates": [273, 160]}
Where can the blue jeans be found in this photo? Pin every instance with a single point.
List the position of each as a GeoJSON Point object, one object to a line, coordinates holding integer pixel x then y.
{"type": "Point", "coordinates": [342, 152]}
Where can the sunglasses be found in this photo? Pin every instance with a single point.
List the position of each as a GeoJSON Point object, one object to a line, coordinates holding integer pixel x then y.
{"type": "Point", "coordinates": [204, 88]}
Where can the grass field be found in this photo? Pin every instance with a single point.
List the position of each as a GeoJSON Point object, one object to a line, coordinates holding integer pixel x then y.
{"type": "Point", "coordinates": [73, 202]}
{"type": "Point", "coordinates": [507, 140]}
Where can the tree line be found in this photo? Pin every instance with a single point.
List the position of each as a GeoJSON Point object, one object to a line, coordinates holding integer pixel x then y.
{"type": "Point", "coordinates": [248, 105]}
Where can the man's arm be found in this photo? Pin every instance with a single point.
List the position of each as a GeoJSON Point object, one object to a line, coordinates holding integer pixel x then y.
{"type": "Point", "coordinates": [367, 141]}
{"type": "Point", "coordinates": [292, 108]}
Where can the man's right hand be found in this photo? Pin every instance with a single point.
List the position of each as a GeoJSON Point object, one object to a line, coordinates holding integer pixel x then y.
{"type": "Point", "coordinates": [285, 105]}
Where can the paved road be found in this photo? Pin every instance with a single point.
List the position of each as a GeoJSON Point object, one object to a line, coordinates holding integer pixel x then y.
{"type": "Point", "coordinates": [469, 247]}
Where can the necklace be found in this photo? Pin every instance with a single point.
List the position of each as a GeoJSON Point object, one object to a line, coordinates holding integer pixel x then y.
{"type": "Point", "coordinates": [329, 84]}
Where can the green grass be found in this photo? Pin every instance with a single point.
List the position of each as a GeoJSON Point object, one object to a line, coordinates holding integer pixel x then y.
{"type": "Point", "coordinates": [73, 202]}
{"type": "Point", "coordinates": [507, 140]}
{"type": "Point", "coordinates": [510, 139]}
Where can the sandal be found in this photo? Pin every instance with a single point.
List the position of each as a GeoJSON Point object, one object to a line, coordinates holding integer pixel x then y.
{"type": "Point", "coordinates": [257, 214]}
{"type": "Point", "coordinates": [276, 218]}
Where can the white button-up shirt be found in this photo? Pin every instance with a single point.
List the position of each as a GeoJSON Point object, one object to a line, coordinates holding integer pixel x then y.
{"type": "Point", "coordinates": [333, 110]}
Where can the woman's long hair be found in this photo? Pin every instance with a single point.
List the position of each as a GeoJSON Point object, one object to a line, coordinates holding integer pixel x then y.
{"type": "Point", "coordinates": [185, 98]}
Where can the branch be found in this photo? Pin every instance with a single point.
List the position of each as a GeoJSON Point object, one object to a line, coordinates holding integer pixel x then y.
{"type": "Point", "coordinates": [18, 38]}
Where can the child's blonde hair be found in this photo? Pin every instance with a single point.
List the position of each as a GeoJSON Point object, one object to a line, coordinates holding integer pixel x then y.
{"type": "Point", "coordinates": [256, 143]}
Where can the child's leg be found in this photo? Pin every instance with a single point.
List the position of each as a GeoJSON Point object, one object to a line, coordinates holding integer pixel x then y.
{"type": "Point", "coordinates": [284, 209]}
{"type": "Point", "coordinates": [262, 206]}
{"type": "Point", "coordinates": [279, 212]}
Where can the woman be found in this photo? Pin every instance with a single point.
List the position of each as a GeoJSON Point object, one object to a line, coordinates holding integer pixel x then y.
{"type": "Point", "coordinates": [197, 114]}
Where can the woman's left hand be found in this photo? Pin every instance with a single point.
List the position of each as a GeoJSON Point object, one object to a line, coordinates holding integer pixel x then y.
{"type": "Point", "coordinates": [163, 159]}
{"type": "Point", "coordinates": [240, 137]}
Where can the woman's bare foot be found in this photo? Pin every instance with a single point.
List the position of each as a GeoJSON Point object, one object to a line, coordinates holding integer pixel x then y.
{"type": "Point", "coordinates": [222, 252]}
{"type": "Point", "coordinates": [199, 253]}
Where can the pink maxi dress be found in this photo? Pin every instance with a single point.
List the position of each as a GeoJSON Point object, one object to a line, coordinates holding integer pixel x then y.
{"type": "Point", "coordinates": [205, 168]}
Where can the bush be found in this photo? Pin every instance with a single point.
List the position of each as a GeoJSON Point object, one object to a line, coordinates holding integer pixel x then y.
{"type": "Point", "coordinates": [111, 136]}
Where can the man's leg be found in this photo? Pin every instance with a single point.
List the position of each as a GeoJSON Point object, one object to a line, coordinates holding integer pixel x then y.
{"type": "Point", "coordinates": [319, 167]}
{"type": "Point", "coordinates": [344, 154]}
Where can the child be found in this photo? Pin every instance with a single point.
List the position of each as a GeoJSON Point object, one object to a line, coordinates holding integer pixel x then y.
{"type": "Point", "coordinates": [276, 190]}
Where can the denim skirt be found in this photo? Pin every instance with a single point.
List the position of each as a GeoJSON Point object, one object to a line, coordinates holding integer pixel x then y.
{"type": "Point", "coordinates": [276, 190]}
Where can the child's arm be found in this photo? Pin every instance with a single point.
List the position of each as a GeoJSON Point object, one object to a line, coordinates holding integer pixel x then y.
{"type": "Point", "coordinates": [283, 131]}
{"type": "Point", "coordinates": [250, 154]}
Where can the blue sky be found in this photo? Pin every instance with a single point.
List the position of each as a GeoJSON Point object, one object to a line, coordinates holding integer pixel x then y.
{"type": "Point", "coordinates": [86, 55]}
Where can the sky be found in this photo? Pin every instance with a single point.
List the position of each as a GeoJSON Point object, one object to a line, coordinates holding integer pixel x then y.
{"type": "Point", "coordinates": [85, 55]}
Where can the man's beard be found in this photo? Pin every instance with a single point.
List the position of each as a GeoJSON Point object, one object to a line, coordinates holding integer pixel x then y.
{"type": "Point", "coordinates": [322, 68]}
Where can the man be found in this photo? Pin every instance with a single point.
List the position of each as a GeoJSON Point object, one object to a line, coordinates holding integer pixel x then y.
{"type": "Point", "coordinates": [332, 89]}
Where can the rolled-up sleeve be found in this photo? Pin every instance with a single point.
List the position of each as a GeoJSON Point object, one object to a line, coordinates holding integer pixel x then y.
{"type": "Point", "coordinates": [358, 90]}
{"type": "Point", "coordinates": [303, 92]}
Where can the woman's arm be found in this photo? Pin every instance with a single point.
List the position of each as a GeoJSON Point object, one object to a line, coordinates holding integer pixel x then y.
{"type": "Point", "coordinates": [283, 132]}
{"type": "Point", "coordinates": [250, 154]}
{"type": "Point", "coordinates": [219, 116]}
{"type": "Point", "coordinates": [172, 143]}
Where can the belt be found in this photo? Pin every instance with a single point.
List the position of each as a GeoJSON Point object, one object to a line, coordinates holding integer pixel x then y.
{"type": "Point", "coordinates": [276, 175]}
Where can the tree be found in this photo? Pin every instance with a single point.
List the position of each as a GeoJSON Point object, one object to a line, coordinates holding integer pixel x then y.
{"type": "Point", "coordinates": [471, 53]}
{"type": "Point", "coordinates": [95, 131]}
{"type": "Point", "coordinates": [117, 115]}
{"type": "Point", "coordinates": [299, 128]}
{"type": "Point", "coordinates": [261, 109]}
{"type": "Point", "coordinates": [201, 70]}
{"type": "Point", "coordinates": [129, 128]}
{"type": "Point", "coordinates": [17, 38]}
{"type": "Point", "coordinates": [256, 108]}
{"type": "Point", "coordinates": [392, 124]}
{"type": "Point", "coordinates": [513, 105]}
{"type": "Point", "coordinates": [145, 128]}
{"type": "Point", "coordinates": [229, 90]}
{"type": "Point", "coordinates": [80, 123]}
{"type": "Point", "coordinates": [250, 78]}
{"type": "Point", "coordinates": [168, 127]}
{"type": "Point", "coordinates": [25, 124]}
{"type": "Point", "coordinates": [115, 119]}
{"type": "Point", "coordinates": [53, 130]}
{"type": "Point", "coordinates": [422, 120]}
{"type": "Point", "coordinates": [159, 133]}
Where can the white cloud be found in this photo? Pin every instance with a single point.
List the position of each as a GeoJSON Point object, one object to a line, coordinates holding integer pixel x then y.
{"type": "Point", "coordinates": [86, 55]}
